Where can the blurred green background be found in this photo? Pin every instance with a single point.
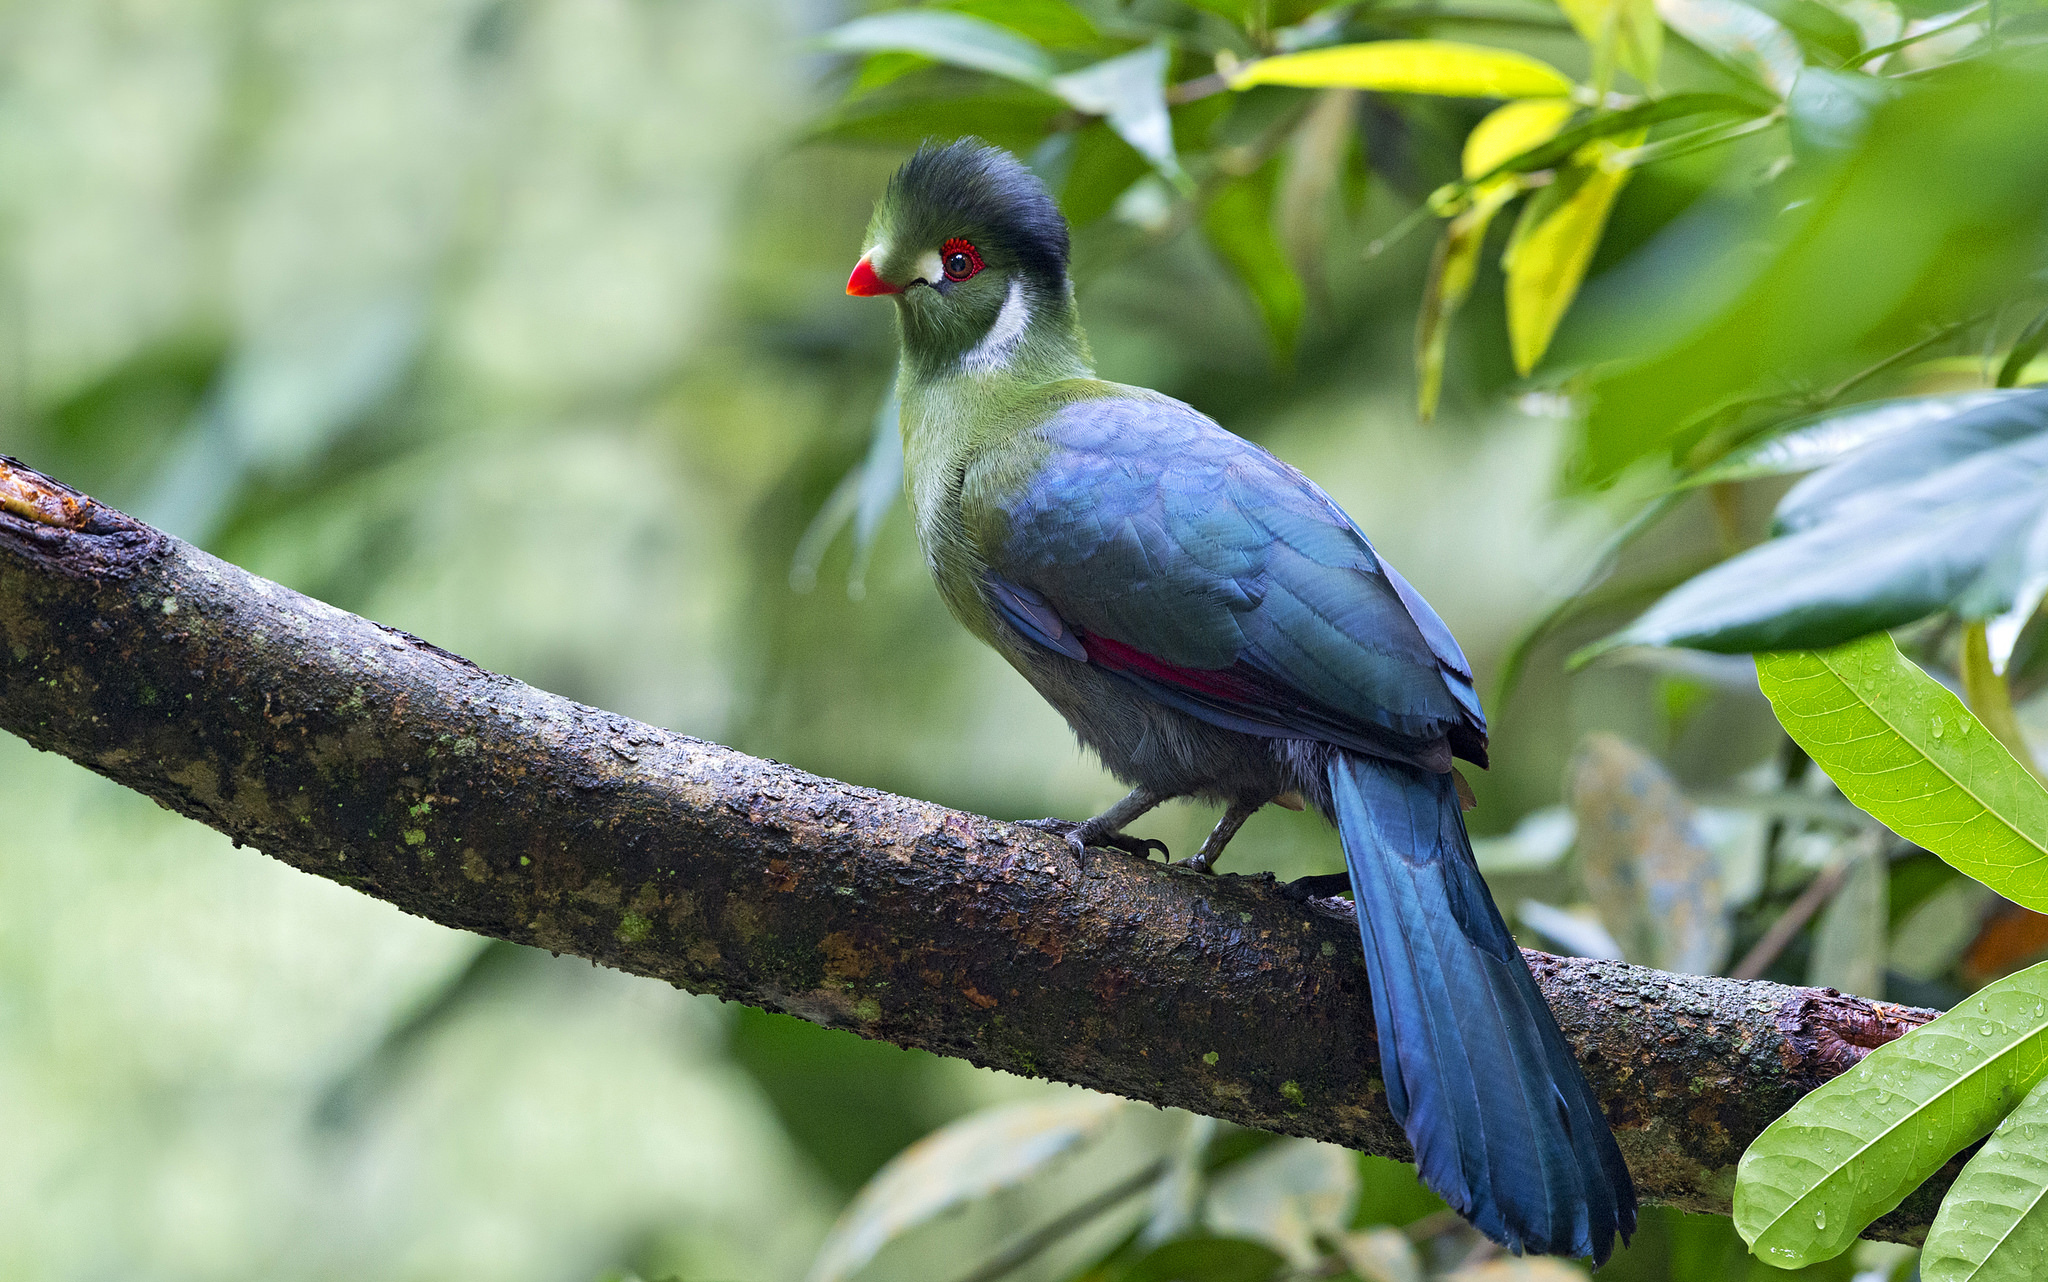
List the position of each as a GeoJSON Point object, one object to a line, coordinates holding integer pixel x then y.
{"type": "Point", "coordinates": [518, 324]}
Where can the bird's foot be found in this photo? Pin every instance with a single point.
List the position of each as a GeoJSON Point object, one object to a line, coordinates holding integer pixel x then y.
{"type": "Point", "coordinates": [1083, 835]}
{"type": "Point", "coordinates": [1304, 889]}
{"type": "Point", "coordinates": [1202, 861]}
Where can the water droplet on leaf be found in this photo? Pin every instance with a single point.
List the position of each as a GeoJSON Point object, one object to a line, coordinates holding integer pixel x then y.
{"type": "Point", "coordinates": [1820, 1219]}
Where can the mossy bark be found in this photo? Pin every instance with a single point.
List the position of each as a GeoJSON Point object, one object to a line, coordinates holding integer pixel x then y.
{"type": "Point", "coordinates": [364, 755]}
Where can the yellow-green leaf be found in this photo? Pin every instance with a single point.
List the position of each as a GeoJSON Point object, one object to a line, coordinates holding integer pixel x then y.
{"type": "Point", "coordinates": [1411, 66]}
{"type": "Point", "coordinates": [1511, 129]}
{"type": "Point", "coordinates": [1908, 752]}
{"type": "Point", "coordinates": [1450, 280]}
{"type": "Point", "coordinates": [1993, 1225]}
{"type": "Point", "coordinates": [1851, 1150]}
{"type": "Point", "coordinates": [1624, 33]}
{"type": "Point", "coordinates": [1555, 239]}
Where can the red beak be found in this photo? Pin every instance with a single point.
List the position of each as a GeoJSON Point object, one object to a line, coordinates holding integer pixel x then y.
{"type": "Point", "coordinates": [865, 284]}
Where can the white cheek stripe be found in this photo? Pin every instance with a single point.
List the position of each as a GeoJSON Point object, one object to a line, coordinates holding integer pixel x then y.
{"type": "Point", "coordinates": [993, 351]}
{"type": "Point", "coordinates": [929, 270]}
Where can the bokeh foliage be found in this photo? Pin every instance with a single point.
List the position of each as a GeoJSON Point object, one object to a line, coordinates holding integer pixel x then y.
{"type": "Point", "coordinates": [517, 324]}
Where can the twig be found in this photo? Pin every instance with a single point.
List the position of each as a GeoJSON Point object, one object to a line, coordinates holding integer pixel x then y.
{"type": "Point", "coordinates": [1810, 901]}
{"type": "Point", "coordinates": [1028, 1248]}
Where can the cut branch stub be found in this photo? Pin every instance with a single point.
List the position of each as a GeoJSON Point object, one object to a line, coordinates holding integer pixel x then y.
{"type": "Point", "coordinates": [362, 754]}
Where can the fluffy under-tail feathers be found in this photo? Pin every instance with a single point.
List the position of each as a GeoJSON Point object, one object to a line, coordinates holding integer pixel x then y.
{"type": "Point", "coordinates": [1504, 1126]}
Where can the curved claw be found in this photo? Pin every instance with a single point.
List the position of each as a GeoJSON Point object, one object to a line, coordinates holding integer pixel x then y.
{"type": "Point", "coordinates": [1142, 847]}
{"type": "Point", "coordinates": [1078, 836]}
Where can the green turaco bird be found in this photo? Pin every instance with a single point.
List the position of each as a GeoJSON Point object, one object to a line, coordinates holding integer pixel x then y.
{"type": "Point", "coordinates": [1213, 625]}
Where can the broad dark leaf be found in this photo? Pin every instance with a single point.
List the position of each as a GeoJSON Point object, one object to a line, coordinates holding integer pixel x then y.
{"type": "Point", "coordinates": [1944, 518]}
{"type": "Point", "coordinates": [1906, 458]}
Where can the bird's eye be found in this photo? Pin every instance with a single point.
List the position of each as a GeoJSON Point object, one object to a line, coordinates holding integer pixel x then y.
{"type": "Point", "coordinates": [959, 259]}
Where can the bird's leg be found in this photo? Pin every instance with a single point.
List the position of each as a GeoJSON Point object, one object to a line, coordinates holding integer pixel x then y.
{"type": "Point", "coordinates": [1234, 815]}
{"type": "Point", "coordinates": [1107, 828]}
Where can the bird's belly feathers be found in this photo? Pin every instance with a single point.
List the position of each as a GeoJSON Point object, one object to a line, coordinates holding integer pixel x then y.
{"type": "Point", "coordinates": [1145, 742]}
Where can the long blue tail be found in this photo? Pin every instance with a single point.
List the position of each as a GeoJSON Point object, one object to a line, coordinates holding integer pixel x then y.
{"type": "Point", "coordinates": [1504, 1126]}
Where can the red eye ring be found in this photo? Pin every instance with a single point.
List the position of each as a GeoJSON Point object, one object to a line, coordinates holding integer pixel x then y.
{"type": "Point", "coordinates": [959, 260]}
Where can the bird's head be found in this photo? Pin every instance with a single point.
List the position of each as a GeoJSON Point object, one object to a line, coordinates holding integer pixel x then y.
{"type": "Point", "coordinates": [974, 250]}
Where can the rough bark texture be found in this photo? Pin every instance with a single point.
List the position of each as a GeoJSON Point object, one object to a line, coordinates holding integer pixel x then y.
{"type": "Point", "coordinates": [367, 756]}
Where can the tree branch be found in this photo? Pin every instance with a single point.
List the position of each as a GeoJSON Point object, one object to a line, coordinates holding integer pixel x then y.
{"type": "Point", "coordinates": [367, 756]}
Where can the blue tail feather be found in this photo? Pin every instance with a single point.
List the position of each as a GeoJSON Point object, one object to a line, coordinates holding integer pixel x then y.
{"type": "Point", "coordinates": [1504, 1127]}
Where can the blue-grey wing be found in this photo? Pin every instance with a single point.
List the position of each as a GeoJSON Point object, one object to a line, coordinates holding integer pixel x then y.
{"type": "Point", "coordinates": [1224, 580]}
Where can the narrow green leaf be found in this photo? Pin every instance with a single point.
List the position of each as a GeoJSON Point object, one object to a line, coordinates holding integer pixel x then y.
{"type": "Point", "coordinates": [1993, 1225]}
{"type": "Point", "coordinates": [1239, 225]}
{"type": "Point", "coordinates": [1511, 130]}
{"type": "Point", "coordinates": [1319, 155]}
{"type": "Point", "coordinates": [1752, 42]}
{"type": "Point", "coordinates": [1607, 124]}
{"type": "Point", "coordinates": [1821, 30]}
{"type": "Point", "coordinates": [1553, 242]}
{"type": "Point", "coordinates": [1907, 752]}
{"type": "Point", "coordinates": [1130, 92]}
{"type": "Point", "coordinates": [1451, 272]}
{"type": "Point", "coordinates": [954, 38]}
{"type": "Point", "coordinates": [2024, 349]}
{"type": "Point", "coordinates": [1851, 1150]}
{"type": "Point", "coordinates": [1054, 23]}
{"type": "Point", "coordinates": [1411, 66]}
{"type": "Point", "coordinates": [1623, 33]}
{"type": "Point", "coordinates": [965, 1161]}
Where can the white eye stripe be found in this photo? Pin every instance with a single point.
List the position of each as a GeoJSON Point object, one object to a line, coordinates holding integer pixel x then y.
{"type": "Point", "coordinates": [996, 347]}
{"type": "Point", "coordinates": [929, 269]}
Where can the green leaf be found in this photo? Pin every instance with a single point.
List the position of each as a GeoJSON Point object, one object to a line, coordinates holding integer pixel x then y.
{"type": "Point", "coordinates": [1829, 109]}
{"type": "Point", "coordinates": [1851, 1150]}
{"type": "Point", "coordinates": [1553, 242]}
{"type": "Point", "coordinates": [1411, 66]}
{"type": "Point", "coordinates": [1624, 33]}
{"type": "Point", "coordinates": [2024, 349]}
{"type": "Point", "coordinates": [964, 1161]}
{"type": "Point", "coordinates": [1381, 1255]}
{"type": "Point", "coordinates": [1953, 516]}
{"type": "Point", "coordinates": [1053, 23]}
{"type": "Point", "coordinates": [1607, 124]}
{"type": "Point", "coordinates": [1319, 154]}
{"type": "Point", "coordinates": [1820, 30]}
{"type": "Point", "coordinates": [1510, 130]}
{"type": "Point", "coordinates": [946, 37]}
{"type": "Point", "coordinates": [1130, 92]}
{"type": "Point", "coordinates": [1451, 272]}
{"type": "Point", "coordinates": [1820, 439]}
{"type": "Point", "coordinates": [1904, 461]}
{"type": "Point", "coordinates": [1206, 1260]}
{"type": "Point", "coordinates": [1993, 1225]}
{"type": "Point", "coordinates": [1239, 225]}
{"type": "Point", "coordinates": [1290, 1196]}
{"type": "Point", "coordinates": [1748, 40]}
{"type": "Point", "coordinates": [1909, 754]}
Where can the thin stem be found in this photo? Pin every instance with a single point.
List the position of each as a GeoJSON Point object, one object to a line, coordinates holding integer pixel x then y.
{"type": "Point", "coordinates": [1810, 901]}
{"type": "Point", "coordinates": [1028, 1248]}
{"type": "Point", "coordinates": [1985, 690]}
{"type": "Point", "coordinates": [1886, 51]}
{"type": "Point", "coordinates": [1698, 140]}
{"type": "Point", "coordinates": [1849, 384]}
